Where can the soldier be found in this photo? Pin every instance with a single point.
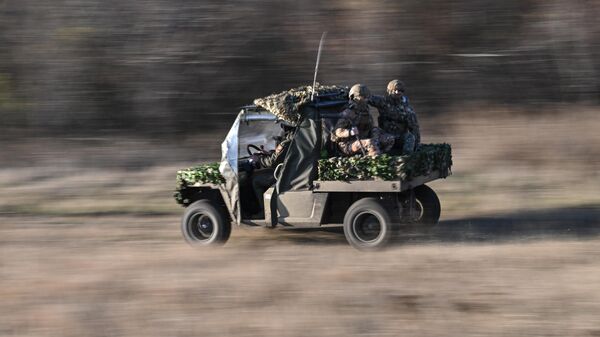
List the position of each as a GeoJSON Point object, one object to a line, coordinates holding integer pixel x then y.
{"type": "Point", "coordinates": [354, 132]}
{"type": "Point", "coordinates": [265, 179]}
{"type": "Point", "coordinates": [398, 118]}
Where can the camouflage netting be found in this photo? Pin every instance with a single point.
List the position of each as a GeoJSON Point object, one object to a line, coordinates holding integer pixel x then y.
{"type": "Point", "coordinates": [286, 105]}
{"type": "Point", "coordinates": [429, 157]}
{"type": "Point", "coordinates": [207, 173]}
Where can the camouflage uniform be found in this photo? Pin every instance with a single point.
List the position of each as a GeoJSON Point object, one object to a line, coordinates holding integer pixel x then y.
{"type": "Point", "coordinates": [372, 139]}
{"type": "Point", "coordinates": [397, 117]}
{"type": "Point", "coordinates": [263, 179]}
{"type": "Point", "coordinates": [276, 157]}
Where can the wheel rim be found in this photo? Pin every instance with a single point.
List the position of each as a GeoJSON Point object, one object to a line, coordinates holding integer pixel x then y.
{"type": "Point", "coordinates": [417, 211]}
{"type": "Point", "coordinates": [366, 227]}
{"type": "Point", "coordinates": [201, 227]}
{"type": "Point", "coordinates": [415, 214]}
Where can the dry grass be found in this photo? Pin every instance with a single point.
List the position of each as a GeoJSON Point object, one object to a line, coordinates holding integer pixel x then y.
{"type": "Point", "coordinates": [125, 276]}
{"type": "Point", "coordinates": [515, 162]}
{"type": "Point", "coordinates": [93, 248]}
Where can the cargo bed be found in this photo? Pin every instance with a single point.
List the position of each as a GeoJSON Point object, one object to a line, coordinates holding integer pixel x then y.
{"type": "Point", "coordinates": [322, 186]}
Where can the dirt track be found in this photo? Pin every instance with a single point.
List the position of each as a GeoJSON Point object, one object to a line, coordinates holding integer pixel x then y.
{"type": "Point", "coordinates": [124, 276]}
{"type": "Point", "coordinates": [516, 254]}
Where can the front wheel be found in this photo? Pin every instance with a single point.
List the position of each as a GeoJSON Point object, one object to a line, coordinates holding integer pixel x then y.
{"type": "Point", "coordinates": [204, 225]}
{"type": "Point", "coordinates": [367, 225]}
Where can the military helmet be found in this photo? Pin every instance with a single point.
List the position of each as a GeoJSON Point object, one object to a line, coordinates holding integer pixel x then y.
{"type": "Point", "coordinates": [359, 90]}
{"type": "Point", "coordinates": [395, 85]}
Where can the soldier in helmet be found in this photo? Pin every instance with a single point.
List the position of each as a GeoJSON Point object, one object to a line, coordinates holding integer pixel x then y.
{"type": "Point", "coordinates": [398, 118]}
{"type": "Point", "coordinates": [354, 132]}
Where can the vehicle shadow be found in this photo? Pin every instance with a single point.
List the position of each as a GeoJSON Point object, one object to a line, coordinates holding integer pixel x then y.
{"type": "Point", "coordinates": [311, 236]}
{"type": "Point", "coordinates": [581, 222]}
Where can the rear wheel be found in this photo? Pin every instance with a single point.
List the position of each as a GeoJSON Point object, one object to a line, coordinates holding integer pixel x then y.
{"type": "Point", "coordinates": [367, 225]}
{"type": "Point", "coordinates": [426, 208]}
{"type": "Point", "coordinates": [203, 224]}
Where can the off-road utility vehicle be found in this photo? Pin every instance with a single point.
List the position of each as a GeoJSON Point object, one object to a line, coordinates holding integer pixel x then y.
{"type": "Point", "coordinates": [370, 210]}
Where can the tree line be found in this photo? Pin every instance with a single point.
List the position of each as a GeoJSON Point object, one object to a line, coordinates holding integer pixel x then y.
{"type": "Point", "coordinates": [169, 66]}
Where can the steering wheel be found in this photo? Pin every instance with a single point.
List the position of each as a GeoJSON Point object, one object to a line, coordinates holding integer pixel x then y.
{"type": "Point", "coordinates": [255, 150]}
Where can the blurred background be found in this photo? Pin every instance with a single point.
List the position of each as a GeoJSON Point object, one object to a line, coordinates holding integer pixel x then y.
{"type": "Point", "coordinates": [102, 101]}
{"type": "Point", "coordinates": [167, 67]}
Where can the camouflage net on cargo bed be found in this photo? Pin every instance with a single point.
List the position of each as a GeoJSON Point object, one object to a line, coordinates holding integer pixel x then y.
{"type": "Point", "coordinates": [429, 157]}
{"type": "Point", "coordinates": [286, 105]}
{"type": "Point", "coordinates": [207, 173]}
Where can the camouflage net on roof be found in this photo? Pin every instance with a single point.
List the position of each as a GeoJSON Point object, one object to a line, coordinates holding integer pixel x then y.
{"type": "Point", "coordinates": [202, 174]}
{"type": "Point", "coordinates": [286, 105]}
{"type": "Point", "coordinates": [429, 158]}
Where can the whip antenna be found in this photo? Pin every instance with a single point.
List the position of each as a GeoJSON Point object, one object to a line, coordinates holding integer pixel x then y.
{"type": "Point", "coordinates": [312, 96]}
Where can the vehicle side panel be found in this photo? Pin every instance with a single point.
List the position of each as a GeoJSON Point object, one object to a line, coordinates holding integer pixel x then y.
{"type": "Point", "coordinates": [213, 192]}
{"type": "Point", "coordinates": [298, 208]}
